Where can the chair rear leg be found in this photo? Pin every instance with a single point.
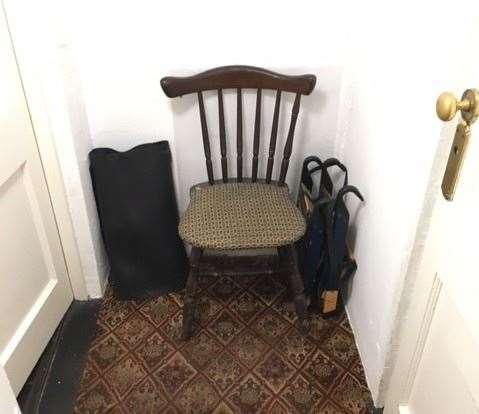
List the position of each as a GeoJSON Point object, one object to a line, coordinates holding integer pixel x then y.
{"type": "Point", "coordinates": [289, 260]}
{"type": "Point", "coordinates": [190, 293]}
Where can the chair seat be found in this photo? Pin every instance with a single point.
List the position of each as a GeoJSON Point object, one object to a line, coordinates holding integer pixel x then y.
{"type": "Point", "coordinates": [241, 216]}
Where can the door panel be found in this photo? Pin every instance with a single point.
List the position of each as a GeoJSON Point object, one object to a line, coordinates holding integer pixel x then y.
{"type": "Point", "coordinates": [437, 366]}
{"type": "Point", "coordinates": [436, 342]}
{"type": "Point", "coordinates": [34, 286]}
{"type": "Point", "coordinates": [447, 376]}
{"type": "Point", "coordinates": [446, 381]}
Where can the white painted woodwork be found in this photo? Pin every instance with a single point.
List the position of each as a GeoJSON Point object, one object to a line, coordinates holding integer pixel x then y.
{"type": "Point", "coordinates": [437, 368]}
{"type": "Point", "coordinates": [8, 402]}
{"type": "Point", "coordinates": [53, 90]}
{"type": "Point", "coordinates": [34, 287]}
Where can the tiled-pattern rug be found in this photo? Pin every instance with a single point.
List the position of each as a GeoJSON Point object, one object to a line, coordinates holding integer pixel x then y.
{"type": "Point", "coordinates": [246, 356]}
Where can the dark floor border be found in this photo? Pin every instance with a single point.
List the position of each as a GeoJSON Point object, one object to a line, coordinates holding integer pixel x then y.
{"type": "Point", "coordinates": [54, 382]}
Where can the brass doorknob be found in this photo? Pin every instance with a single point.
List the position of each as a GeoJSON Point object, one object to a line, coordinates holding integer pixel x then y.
{"type": "Point", "coordinates": [447, 105]}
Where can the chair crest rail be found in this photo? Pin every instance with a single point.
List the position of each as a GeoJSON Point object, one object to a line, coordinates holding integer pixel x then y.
{"type": "Point", "coordinates": [239, 78]}
{"type": "Point", "coordinates": [233, 77]}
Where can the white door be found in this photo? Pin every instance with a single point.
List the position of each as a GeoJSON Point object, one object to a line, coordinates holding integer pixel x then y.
{"type": "Point", "coordinates": [34, 287]}
{"type": "Point", "coordinates": [437, 369]}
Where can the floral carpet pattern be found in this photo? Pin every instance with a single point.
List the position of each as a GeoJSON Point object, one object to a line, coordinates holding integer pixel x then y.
{"type": "Point", "coordinates": [246, 355]}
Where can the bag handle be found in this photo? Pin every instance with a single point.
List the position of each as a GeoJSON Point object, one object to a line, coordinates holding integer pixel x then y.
{"type": "Point", "coordinates": [330, 228]}
{"type": "Point", "coordinates": [306, 173]}
{"type": "Point", "coordinates": [347, 189]}
{"type": "Point", "coordinates": [310, 159]}
{"type": "Point", "coordinates": [333, 162]}
{"type": "Point", "coordinates": [306, 178]}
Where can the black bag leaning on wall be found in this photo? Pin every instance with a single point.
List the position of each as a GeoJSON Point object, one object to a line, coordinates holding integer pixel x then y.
{"type": "Point", "coordinates": [136, 203]}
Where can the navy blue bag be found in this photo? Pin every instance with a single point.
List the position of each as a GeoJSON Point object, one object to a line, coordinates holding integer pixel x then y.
{"type": "Point", "coordinates": [309, 246]}
{"type": "Point", "coordinates": [323, 255]}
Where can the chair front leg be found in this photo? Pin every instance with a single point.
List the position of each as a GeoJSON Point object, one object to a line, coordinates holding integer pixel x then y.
{"type": "Point", "coordinates": [288, 258]}
{"type": "Point", "coordinates": [190, 293]}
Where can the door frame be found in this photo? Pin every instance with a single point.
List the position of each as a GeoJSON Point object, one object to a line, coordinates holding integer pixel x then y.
{"type": "Point", "coordinates": [420, 294]}
{"type": "Point", "coordinates": [30, 69]}
{"type": "Point", "coordinates": [8, 401]}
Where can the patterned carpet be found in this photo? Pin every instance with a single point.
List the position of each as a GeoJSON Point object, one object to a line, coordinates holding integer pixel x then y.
{"type": "Point", "coordinates": [247, 356]}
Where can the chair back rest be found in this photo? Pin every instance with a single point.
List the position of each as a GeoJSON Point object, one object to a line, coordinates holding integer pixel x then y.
{"type": "Point", "coordinates": [239, 78]}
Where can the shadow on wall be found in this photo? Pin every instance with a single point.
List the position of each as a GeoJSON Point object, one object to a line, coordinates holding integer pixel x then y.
{"type": "Point", "coordinates": [354, 208]}
{"type": "Point", "coordinates": [315, 130]}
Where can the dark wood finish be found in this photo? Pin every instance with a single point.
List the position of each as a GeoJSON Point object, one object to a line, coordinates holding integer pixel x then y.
{"type": "Point", "coordinates": [237, 77]}
{"type": "Point", "coordinates": [289, 261]}
{"type": "Point", "coordinates": [206, 141]}
{"type": "Point", "coordinates": [221, 116]}
{"type": "Point", "coordinates": [274, 134]}
{"type": "Point", "coordinates": [288, 147]}
{"type": "Point", "coordinates": [257, 131]}
{"type": "Point", "coordinates": [239, 135]}
{"type": "Point", "coordinates": [223, 264]}
{"type": "Point", "coordinates": [240, 77]}
{"type": "Point", "coordinates": [190, 293]}
{"type": "Point", "coordinates": [206, 184]}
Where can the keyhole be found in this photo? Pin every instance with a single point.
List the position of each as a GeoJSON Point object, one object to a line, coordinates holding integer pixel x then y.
{"type": "Point", "coordinates": [456, 150]}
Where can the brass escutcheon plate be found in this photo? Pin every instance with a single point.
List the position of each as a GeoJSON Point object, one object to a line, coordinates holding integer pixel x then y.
{"type": "Point", "coordinates": [455, 161]}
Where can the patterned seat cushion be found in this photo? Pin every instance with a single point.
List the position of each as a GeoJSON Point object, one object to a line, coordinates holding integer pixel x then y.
{"type": "Point", "coordinates": [241, 216]}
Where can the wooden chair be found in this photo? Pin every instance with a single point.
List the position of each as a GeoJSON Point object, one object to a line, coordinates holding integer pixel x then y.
{"type": "Point", "coordinates": [242, 213]}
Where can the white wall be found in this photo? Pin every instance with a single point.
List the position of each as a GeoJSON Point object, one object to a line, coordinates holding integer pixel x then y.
{"type": "Point", "coordinates": [75, 164]}
{"type": "Point", "coordinates": [388, 135]}
{"type": "Point", "coordinates": [373, 108]}
{"type": "Point", "coordinates": [389, 161]}
{"type": "Point", "coordinates": [125, 48]}
{"type": "Point", "coordinates": [71, 130]}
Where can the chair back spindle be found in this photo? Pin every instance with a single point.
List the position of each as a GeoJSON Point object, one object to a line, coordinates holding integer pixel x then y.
{"type": "Point", "coordinates": [257, 130]}
{"type": "Point", "coordinates": [206, 140]}
{"type": "Point", "coordinates": [239, 135]}
{"type": "Point", "coordinates": [221, 116]}
{"type": "Point", "coordinates": [239, 78]}
{"type": "Point", "coordinates": [288, 147]}
{"type": "Point", "coordinates": [274, 134]}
